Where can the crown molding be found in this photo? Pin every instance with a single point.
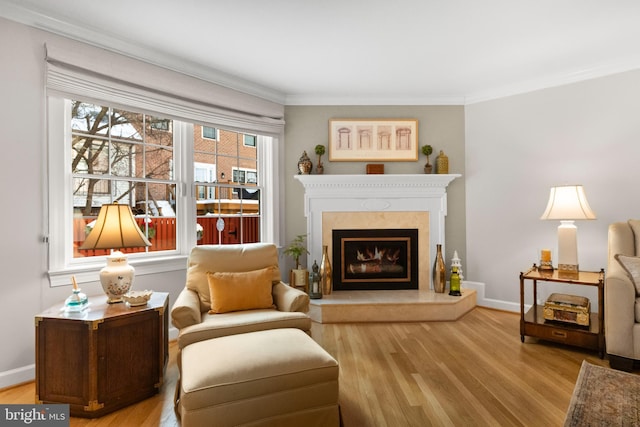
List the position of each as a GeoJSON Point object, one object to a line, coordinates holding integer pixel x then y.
{"type": "Point", "coordinates": [621, 65]}
{"type": "Point", "coordinates": [39, 20]}
{"type": "Point", "coordinates": [374, 100]}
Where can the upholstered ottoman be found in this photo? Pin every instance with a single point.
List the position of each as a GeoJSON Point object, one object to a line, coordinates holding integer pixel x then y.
{"type": "Point", "coordinates": [275, 377]}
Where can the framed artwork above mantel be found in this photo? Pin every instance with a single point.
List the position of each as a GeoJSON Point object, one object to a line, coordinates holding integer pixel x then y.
{"type": "Point", "coordinates": [364, 140]}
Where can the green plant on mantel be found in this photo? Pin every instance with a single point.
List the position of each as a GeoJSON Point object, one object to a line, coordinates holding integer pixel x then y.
{"type": "Point", "coordinates": [427, 150]}
{"type": "Point", "coordinates": [320, 150]}
{"type": "Point", "coordinates": [297, 248]}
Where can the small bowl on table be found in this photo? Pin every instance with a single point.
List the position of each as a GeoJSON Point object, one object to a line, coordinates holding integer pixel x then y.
{"type": "Point", "coordinates": [137, 298]}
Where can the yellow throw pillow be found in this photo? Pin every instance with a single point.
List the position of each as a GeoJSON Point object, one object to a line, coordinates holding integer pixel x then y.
{"type": "Point", "coordinates": [247, 290]}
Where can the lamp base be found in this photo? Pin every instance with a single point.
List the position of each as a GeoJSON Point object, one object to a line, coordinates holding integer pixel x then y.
{"type": "Point", "coordinates": [568, 271]}
{"type": "Point", "coordinates": [116, 277]}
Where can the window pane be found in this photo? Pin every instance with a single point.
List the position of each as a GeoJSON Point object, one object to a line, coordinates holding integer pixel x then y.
{"type": "Point", "coordinates": [123, 157]}
{"type": "Point", "coordinates": [89, 118]}
{"type": "Point", "coordinates": [89, 194]}
{"type": "Point", "coordinates": [158, 162]}
{"type": "Point", "coordinates": [158, 131]}
{"type": "Point", "coordinates": [158, 221]}
{"type": "Point", "coordinates": [90, 155]}
{"type": "Point", "coordinates": [127, 125]}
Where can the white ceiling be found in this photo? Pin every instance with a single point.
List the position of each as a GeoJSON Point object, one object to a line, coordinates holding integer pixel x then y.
{"type": "Point", "coordinates": [360, 51]}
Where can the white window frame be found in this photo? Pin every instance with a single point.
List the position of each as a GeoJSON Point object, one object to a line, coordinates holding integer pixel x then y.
{"type": "Point", "coordinates": [62, 264]}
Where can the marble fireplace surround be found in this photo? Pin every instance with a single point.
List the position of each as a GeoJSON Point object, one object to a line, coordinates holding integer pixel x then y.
{"type": "Point", "coordinates": [377, 202]}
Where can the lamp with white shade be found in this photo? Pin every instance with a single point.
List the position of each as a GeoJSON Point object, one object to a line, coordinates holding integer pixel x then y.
{"type": "Point", "coordinates": [568, 203]}
{"type": "Point", "coordinates": [115, 229]}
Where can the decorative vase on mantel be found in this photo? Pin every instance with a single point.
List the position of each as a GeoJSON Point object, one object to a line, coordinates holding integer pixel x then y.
{"type": "Point", "coordinates": [304, 164]}
{"type": "Point", "coordinates": [439, 274]}
{"type": "Point", "coordinates": [442, 163]}
{"type": "Point", "coordinates": [326, 273]}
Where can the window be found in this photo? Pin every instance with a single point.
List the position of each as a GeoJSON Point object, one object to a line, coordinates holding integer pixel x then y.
{"type": "Point", "coordinates": [204, 173]}
{"type": "Point", "coordinates": [119, 155]}
{"type": "Point", "coordinates": [142, 152]}
{"type": "Point", "coordinates": [118, 152]}
{"type": "Point", "coordinates": [249, 140]}
{"type": "Point", "coordinates": [244, 176]}
{"type": "Point", "coordinates": [209, 133]}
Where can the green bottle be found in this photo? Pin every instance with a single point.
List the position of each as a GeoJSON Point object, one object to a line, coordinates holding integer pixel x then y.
{"type": "Point", "coordinates": [454, 282]}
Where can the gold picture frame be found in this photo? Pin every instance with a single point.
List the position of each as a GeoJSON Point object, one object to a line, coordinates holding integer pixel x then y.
{"type": "Point", "coordinates": [364, 140]}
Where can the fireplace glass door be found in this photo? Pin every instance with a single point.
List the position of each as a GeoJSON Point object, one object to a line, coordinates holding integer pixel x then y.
{"type": "Point", "coordinates": [373, 259]}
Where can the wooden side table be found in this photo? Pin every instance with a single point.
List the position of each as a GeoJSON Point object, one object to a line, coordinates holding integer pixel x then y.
{"type": "Point", "coordinates": [533, 324]}
{"type": "Point", "coordinates": [104, 358]}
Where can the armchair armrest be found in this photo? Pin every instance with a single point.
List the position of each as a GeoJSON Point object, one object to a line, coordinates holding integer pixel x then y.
{"type": "Point", "coordinates": [619, 297]}
{"type": "Point", "coordinates": [186, 310]}
{"type": "Point", "coordinates": [287, 298]}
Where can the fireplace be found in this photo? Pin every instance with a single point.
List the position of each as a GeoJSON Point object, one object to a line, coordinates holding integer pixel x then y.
{"type": "Point", "coordinates": [352, 202]}
{"type": "Point", "coordinates": [373, 259]}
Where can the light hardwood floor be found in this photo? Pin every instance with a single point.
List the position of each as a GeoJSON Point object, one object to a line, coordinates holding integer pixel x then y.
{"type": "Point", "coordinates": [472, 372]}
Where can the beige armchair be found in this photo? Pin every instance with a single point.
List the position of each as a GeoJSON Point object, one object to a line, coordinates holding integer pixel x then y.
{"type": "Point", "coordinates": [191, 311]}
{"type": "Point", "coordinates": [621, 295]}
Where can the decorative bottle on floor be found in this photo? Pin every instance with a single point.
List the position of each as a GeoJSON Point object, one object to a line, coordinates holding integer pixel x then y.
{"type": "Point", "coordinates": [326, 272]}
{"type": "Point", "coordinates": [439, 273]}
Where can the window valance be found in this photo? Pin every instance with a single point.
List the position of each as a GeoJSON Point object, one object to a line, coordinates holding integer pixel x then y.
{"type": "Point", "coordinates": [96, 74]}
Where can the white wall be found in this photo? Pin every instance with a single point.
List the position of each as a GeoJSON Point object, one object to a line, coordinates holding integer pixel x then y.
{"type": "Point", "coordinates": [24, 288]}
{"type": "Point", "coordinates": [518, 147]}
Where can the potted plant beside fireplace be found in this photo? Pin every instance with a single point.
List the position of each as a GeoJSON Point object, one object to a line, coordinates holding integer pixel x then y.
{"type": "Point", "coordinates": [298, 277]}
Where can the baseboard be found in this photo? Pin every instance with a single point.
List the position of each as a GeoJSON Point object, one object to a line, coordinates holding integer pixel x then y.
{"type": "Point", "coordinates": [483, 301]}
{"type": "Point", "coordinates": [17, 376]}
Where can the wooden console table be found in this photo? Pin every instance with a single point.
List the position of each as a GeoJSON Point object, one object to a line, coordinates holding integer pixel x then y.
{"type": "Point", "coordinates": [104, 358]}
{"type": "Point", "coordinates": [533, 324]}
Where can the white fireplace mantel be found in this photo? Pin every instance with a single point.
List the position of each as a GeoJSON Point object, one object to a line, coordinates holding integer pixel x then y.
{"type": "Point", "coordinates": [375, 193]}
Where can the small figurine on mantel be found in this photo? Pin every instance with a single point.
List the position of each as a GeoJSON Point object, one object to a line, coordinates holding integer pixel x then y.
{"type": "Point", "coordinates": [457, 262]}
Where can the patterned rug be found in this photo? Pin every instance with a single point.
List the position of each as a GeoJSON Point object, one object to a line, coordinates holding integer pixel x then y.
{"type": "Point", "coordinates": [604, 397]}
